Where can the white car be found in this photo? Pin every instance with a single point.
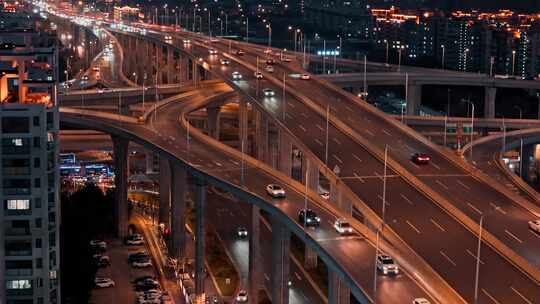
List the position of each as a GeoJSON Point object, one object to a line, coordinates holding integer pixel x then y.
{"type": "Point", "coordinates": [236, 75]}
{"type": "Point", "coordinates": [225, 62]}
{"type": "Point", "coordinates": [305, 77]}
{"type": "Point", "coordinates": [258, 75]}
{"type": "Point", "coordinates": [275, 190]}
{"type": "Point", "coordinates": [420, 301]}
{"type": "Point", "coordinates": [141, 264]}
{"type": "Point", "coordinates": [267, 92]}
{"type": "Point", "coordinates": [342, 226]}
{"type": "Point", "coordinates": [535, 225]}
{"type": "Point", "coordinates": [268, 51]}
{"type": "Point", "coordinates": [242, 297]}
{"type": "Point", "coordinates": [241, 232]}
{"type": "Point", "coordinates": [103, 282]}
{"type": "Point", "coordinates": [212, 52]}
{"type": "Point", "coordinates": [135, 242]}
{"type": "Point", "coordinates": [98, 243]}
{"type": "Point", "coordinates": [386, 264]}
{"type": "Point", "coordinates": [187, 41]}
{"type": "Point", "coordinates": [269, 69]}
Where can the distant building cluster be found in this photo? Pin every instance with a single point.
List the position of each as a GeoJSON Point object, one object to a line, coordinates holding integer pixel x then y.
{"type": "Point", "coordinates": [502, 42]}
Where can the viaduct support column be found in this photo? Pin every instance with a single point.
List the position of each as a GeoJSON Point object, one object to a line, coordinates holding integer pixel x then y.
{"type": "Point", "coordinates": [254, 256]}
{"type": "Point", "coordinates": [414, 99]}
{"type": "Point", "coordinates": [164, 191]}
{"type": "Point", "coordinates": [489, 102]}
{"type": "Point", "coordinates": [213, 121]}
{"type": "Point", "coordinates": [285, 153]}
{"type": "Point", "coordinates": [121, 171]}
{"type": "Point", "coordinates": [200, 206]}
{"type": "Point", "coordinates": [261, 137]}
{"type": "Point", "coordinates": [170, 66]}
{"type": "Point", "coordinates": [338, 292]}
{"type": "Point", "coordinates": [243, 123]}
{"type": "Point", "coordinates": [310, 257]}
{"type": "Point", "coordinates": [528, 152]}
{"type": "Point", "coordinates": [195, 73]}
{"type": "Point", "coordinates": [149, 158]}
{"type": "Point", "coordinates": [281, 238]}
{"type": "Point", "coordinates": [178, 210]}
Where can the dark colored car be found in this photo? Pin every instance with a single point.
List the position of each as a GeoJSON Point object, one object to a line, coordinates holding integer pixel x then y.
{"type": "Point", "coordinates": [309, 218]}
{"type": "Point", "coordinates": [421, 158]}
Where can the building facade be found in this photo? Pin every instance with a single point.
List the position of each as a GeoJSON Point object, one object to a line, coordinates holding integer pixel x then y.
{"type": "Point", "coordinates": [29, 122]}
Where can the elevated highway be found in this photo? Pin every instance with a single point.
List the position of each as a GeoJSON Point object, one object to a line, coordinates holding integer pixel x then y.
{"type": "Point", "coordinates": [360, 136]}
{"type": "Point", "coordinates": [352, 257]}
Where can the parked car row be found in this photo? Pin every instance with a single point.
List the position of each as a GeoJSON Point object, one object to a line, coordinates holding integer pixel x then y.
{"type": "Point", "coordinates": [99, 247]}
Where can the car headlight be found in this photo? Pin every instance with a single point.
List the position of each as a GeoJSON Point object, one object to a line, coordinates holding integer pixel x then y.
{"type": "Point", "coordinates": [308, 220]}
{"type": "Point", "coordinates": [318, 219]}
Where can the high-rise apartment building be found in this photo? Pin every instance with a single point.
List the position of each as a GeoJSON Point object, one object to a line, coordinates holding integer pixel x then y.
{"type": "Point", "coordinates": [29, 175]}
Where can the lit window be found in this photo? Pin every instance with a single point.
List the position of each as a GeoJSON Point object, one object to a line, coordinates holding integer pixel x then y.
{"type": "Point", "coordinates": [17, 142]}
{"type": "Point", "coordinates": [18, 204]}
{"type": "Point", "coordinates": [18, 284]}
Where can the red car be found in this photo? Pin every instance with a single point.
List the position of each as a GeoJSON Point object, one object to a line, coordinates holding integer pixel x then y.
{"type": "Point", "coordinates": [421, 158]}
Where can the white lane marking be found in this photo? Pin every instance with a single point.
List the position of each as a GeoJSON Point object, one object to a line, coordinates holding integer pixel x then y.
{"type": "Point", "coordinates": [233, 161]}
{"type": "Point", "coordinates": [266, 277]}
{"type": "Point", "coordinates": [369, 132]}
{"type": "Point", "coordinates": [406, 199]}
{"type": "Point", "coordinates": [291, 105]}
{"type": "Point", "coordinates": [336, 140]}
{"type": "Point", "coordinates": [521, 295]}
{"type": "Point", "coordinates": [357, 158]}
{"type": "Point", "coordinates": [302, 127]}
{"type": "Point", "coordinates": [298, 277]}
{"type": "Point", "coordinates": [319, 142]}
{"type": "Point", "coordinates": [464, 186]}
{"type": "Point", "coordinates": [359, 178]}
{"type": "Point", "coordinates": [437, 225]}
{"type": "Point", "coordinates": [412, 226]}
{"type": "Point", "coordinates": [498, 208]}
{"type": "Point", "coordinates": [380, 197]}
{"type": "Point", "coordinates": [447, 258]}
{"type": "Point", "coordinates": [337, 158]}
{"type": "Point", "coordinates": [474, 256]}
{"type": "Point", "coordinates": [378, 175]}
{"type": "Point", "coordinates": [441, 184]}
{"type": "Point", "coordinates": [288, 116]}
{"type": "Point", "coordinates": [490, 296]}
{"type": "Point", "coordinates": [320, 128]}
{"type": "Point", "coordinates": [408, 147]}
{"type": "Point", "coordinates": [435, 165]}
{"type": "Point", "coordinates": [348, 108]}
{"type": "Point", "coordinates": [386, 132]}
{"type": "Point", "coordinates": [304, 114]}
{"type": "Point", "coordinates": [474, 208]}
{"type": "Point", "coordinates": [534, 233]}
{"type": "Point", "coordinates": [218, 164]}
{"type": "Point", "coordinates": [513, 236]}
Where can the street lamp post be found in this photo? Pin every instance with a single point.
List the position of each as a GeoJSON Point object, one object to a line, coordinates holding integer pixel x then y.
{"type": "Point", "coordinates": [226, 24]}
{"type": "Point", "coordinates": [466, 52]}
{"type": "Point", "coordinates": [491, 62]}
{"type": "Point", "coordinates": [472, 128]}
{"type": "Point", "coordinates": [269, 27]}
{"type": "Point", "coordinates": [520, 111]}
{"type": "Point", "coordinates": [324, 57]}
{"type": "Point", "coordinates": [442, 59]}
{"type": "Point", "coordinates": [513, 62]}
{"type": "Point", "coordinates": [387, 45]}
{"type": "Point", "coordinates": [477, 272]}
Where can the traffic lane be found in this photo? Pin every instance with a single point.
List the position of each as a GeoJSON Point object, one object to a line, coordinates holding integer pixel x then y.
{"type": "Point", "coordinates": [508, 222]}
{"type": "Point", "coordinates": [291, 205]}
{"type": "Point", "coordinates": [233, 214]}
{"type": "Point", "coordinates": [444, 256]}
{"type": "Point", "coordinates": [419, 222]}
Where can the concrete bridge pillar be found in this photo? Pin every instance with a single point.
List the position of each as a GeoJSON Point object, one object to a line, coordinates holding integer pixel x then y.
{"type": "Point", "coordinates": [527, 154]}
{"type": "Point", "coordinates": [285, 153]}
{"type": "Point", "coordinates": [338, 292]}
{"type": "Point", "coordinates": [195, 73]}
{"type": "Point", "coordinates": [281, 238]}
{"type": "Point", "coordinates": [149, 159]}
{"type": "Point", "coordinates": [178, 210]}
{"type": "Point", "coordinates": [254, 274]}
{"type": "Point", "coordinates": [337, 199]}
{"type": "Point", "coordinates": [183, 62]}
{"type": "Point", "coordinates": [200, 231]}
{"type": "Point", "coordinates": [312, 173]}
{"type": "Point", "coordinates": [490, 94]}
{"type": "Point", "coordinates": [261, 137]}
{"type": "Point", "coordinates": [243, 123]}
{"type": "Point", "coordinates": [170, 66]}
{"type": "Point", "coordinates": [159, 60]}
{"type": "Point", "coordinates": [310, 258]}
{"type": "Point", "coordinates": [212, 112]}
{"type": "Point", "coordinates": [414, 99]}
{"type": "Point", "coordinates": [141, 66]}
{"type": "Point", "coordinates": [121, 171]}
{"type": "Point", "coordinates": [164, 191]}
